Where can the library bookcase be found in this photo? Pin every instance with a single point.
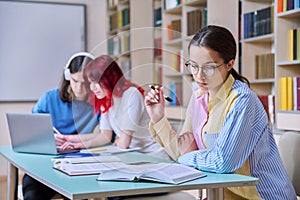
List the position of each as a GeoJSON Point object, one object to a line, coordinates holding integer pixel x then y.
{"type": "Point", "coordinates": [262, 28]}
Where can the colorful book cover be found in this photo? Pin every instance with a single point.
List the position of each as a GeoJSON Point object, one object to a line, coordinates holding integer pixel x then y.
{"type": "Point", "coordinates": [298, 93]}
{"type": "Point", "coordinates": [291, 38]}
{"type": "Point", "coordinates": [295, 44]}
{"type": "Point", "coordinates": [283, 93]}
{"type": "Point", "coordinates": [279, 6]}
{"type": "Point", "coordinates": [271, 109]}
{"type": "Point", "coordinates": [295, 93]}
{"type": "Point", "coordinates": [284, 7]}
{"type": "Point", "coordinates": [290, 93]}
{"type": "Point", "coordinates": [298, 43]}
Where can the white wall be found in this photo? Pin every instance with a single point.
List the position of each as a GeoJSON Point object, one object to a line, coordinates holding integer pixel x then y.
{"type": "Point", "coordinates": [96, 43]}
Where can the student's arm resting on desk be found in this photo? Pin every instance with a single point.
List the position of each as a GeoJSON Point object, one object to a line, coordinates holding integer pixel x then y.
{"type": "Point", "coordinates": [124, 140]}
{"type": "Point", "coordinates": [99, 140]}
{"type": "Point", "coordinates": [60, 138]}
{"type": "Point", "coordinates": [237, 139]}
{"type": "Point", "coordinates": [164, 135]}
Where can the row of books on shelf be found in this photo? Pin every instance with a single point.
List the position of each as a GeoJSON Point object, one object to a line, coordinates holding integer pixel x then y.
{"type": "Point", "coordinates": [264, 65]}
{"type": "Point", "coordinates": [285, 5]}
{"type": "Point", "coordinates": [178, 61]}
{"type": "Point", "coordinates": [268, 101]}
{"type": "Point", "coordinates": [290, 93]}
{"type": "Point", "coordinates": [260, 22]}
{"type": "Point", "coordinates": [157, 17]}
{"type": "Point", "coordinates": [118, 44]}
{"type": "Point", "coordinates": [294, 44]}
{"type": "Point", "coordinates": [119, 19]}
{"type": "Point", "coordinates": [174, 29]}
{"type": "Point", "coordinates": [196, 19]}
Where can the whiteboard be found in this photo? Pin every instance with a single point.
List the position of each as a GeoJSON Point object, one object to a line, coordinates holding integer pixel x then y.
{"type": "Point", "coordinates": [36, 41]}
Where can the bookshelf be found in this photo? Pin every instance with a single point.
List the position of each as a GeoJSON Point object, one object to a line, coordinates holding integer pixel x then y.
{"type": "Point", "coordinates": [130, 38]}
{"type": "Point", "coordinates": [272, 50]}
{"type": "Point", "coordinates": [287, 18]}
{"type": "Point", "coordinates": [257, 42]}
{"type": "Point", "coordinates": [180, 20]}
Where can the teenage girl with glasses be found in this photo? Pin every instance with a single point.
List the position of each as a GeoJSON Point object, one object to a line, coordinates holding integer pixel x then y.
{"type": "Point", "coordinates": [226, 129]}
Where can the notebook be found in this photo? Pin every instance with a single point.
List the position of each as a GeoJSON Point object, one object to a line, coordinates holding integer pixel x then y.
{"type": "Point", "coordinates": [32, 133]}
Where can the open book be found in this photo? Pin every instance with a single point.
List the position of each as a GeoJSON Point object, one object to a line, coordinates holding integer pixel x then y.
{"type": "Point", "coordinates": [172, 173]}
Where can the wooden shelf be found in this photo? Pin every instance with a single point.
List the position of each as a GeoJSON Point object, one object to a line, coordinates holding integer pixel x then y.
{"type": "Point", "coordinates": [260, 39]}
{"type": "Point", "coordinates": [288, 120]}
{"type": "Point", "coordinates": [289, 14]}
{"type": "Point", "coordinates": [260, 81]}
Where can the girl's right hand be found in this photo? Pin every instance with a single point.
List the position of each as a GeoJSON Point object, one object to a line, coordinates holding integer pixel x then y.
{"type": "Point", "coordinates": [155, 104]}
{"type": "Point", "coordinates": [60, 139]}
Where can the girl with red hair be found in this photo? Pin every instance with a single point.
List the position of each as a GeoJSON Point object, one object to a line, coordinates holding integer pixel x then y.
{"type": "Point", "coordinates": [121, 105]}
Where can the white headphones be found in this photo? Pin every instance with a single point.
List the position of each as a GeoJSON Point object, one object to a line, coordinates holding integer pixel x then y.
{"type": "Point", "coordinates": [67, 72]}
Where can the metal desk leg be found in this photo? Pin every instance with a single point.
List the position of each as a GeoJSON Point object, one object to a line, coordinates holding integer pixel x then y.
{"type": "Point", "coordinates": [215, 194]}
{"type": "Point", "coordinates": [12, 182]}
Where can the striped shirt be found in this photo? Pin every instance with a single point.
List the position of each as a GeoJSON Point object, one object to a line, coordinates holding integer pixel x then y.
{"type": "Point", "coordinates": [238, 139]}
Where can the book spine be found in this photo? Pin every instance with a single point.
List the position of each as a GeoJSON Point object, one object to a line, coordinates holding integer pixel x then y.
{"type": "Point", "coordinates": [295, 93]}
{"type": "Point", "coordinates": [298, 93]}
{"type": "Point", "coordinates": [290, 4]}
{"type": "Point", "coordinates": [271, 109]}
{"type": "Point", "coordinates": [291, 38]}
{"type": "Point", "coordinates": [295, 44]}
{"type": "Point", "coordinates": [283, 93]}
{"type": "Point", "coordinates": [298, 43]}
{"type": "Point", "coordinates": [279, 6]}
{"type": "Point", "coordinates": [289, 93]}
{"type": "Point", "coordinates": [284, 7]}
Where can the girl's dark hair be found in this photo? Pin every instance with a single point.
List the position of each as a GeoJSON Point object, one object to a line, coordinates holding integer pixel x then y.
{"type": "Point", "coordinates": [76, 65]}
{"type": "Point", "coordinates": [220, 40]}
{"type": "Point", "coordinates": [105, 71]}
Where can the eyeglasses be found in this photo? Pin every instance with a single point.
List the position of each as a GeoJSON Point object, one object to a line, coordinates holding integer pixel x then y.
{"type": "Point", "coordinates": [207, 70]}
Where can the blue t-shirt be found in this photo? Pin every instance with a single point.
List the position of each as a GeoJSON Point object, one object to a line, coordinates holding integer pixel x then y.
{"type": "Point", "coordinates": [68, 117]}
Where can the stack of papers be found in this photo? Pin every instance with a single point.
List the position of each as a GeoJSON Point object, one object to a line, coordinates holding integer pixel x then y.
{"type": "Point", "coordinates": [85, 163]}
{"type": "Point", "coordinates": [111, 149]}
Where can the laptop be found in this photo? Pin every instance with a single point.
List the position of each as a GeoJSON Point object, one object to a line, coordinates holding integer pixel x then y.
{"type": "Point", "coordinates": [32, 133]}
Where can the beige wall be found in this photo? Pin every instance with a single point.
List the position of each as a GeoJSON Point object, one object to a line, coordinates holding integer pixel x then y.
{"type": "Point", "coordinates": [96, 35]}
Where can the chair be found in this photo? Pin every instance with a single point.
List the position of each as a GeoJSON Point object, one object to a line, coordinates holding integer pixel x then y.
{"type": "Point", "coordinates": [289, 147]}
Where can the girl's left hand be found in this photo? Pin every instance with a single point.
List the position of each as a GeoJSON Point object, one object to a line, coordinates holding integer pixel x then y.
{"type": "Point", "coordinates": [187, 143]}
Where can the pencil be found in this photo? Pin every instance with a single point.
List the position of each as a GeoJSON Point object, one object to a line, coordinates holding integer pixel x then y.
{"type": "Point", "coordinates": [55, 130]}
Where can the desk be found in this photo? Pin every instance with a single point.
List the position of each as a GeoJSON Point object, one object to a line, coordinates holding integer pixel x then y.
{"type": "Point", "coordinates": [79, 187]}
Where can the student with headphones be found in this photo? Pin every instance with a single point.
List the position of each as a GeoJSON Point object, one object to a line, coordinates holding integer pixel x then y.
{"type": "Point", "coordinates": [72, 115]}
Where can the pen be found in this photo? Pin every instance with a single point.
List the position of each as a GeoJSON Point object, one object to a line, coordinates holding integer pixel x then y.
{"type": "Point", "coordinates": [55, 130]}
{"type": "Point", "coordinates": [169, 99]}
